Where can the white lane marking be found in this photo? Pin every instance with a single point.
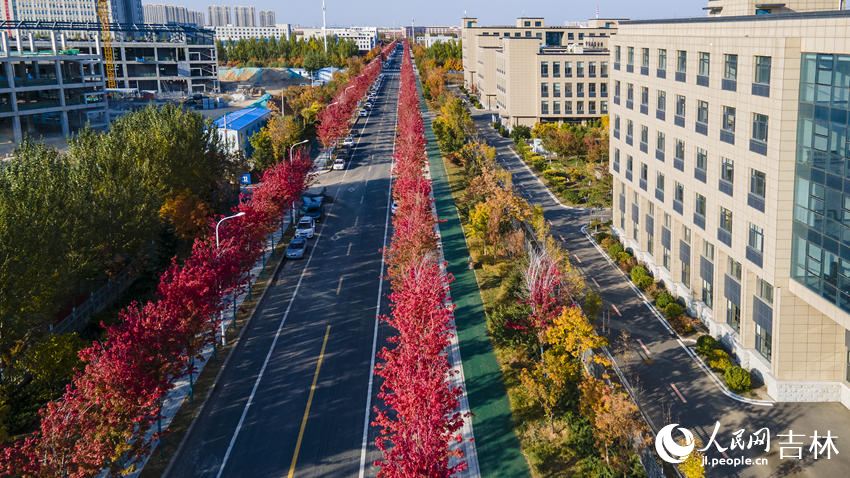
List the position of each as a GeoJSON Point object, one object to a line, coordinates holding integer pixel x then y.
{"type": "Point", "coordinates": [279, 328]}
{"type": "Point", "coordinates": [681, 397]}
{"type": "Point", "coordinates": [368, 411]}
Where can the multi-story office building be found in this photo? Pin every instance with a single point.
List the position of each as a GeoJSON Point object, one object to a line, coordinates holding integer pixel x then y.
{"type": "Point", "coordinates": [162, 14]}
{"type": "Point", "coordinates": [244, 16]}
{"type": "Point", "coordinates": [742, 207]}
{"type": "Point", "coordinates": [267, 18]}
{"type": "Point", "coordinates": [53, 92]}
{"type": "Point", "coordinates": [121, 11]}
{"type": "Point", "coordinates": [411, 31]}
{"type": "Point", "coordinates": [530, 72]}
{"type": "Point", "coordinates": [365, 37]}
{"type": "Point", "coordinates": [231, 32]}
{"type": "Point", "coordinates": [218, 16]}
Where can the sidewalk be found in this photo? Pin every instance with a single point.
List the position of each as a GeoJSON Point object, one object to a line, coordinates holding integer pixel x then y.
{"type": "Point", "coordinates": [498, 447]}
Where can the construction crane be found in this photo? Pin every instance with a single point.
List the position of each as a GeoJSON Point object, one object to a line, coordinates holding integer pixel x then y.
{"type": "Point", "coordinates": [108, 58]}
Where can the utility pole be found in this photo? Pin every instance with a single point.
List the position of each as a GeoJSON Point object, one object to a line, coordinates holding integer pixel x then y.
{"type": "Point", "coordinates": [324, 27]}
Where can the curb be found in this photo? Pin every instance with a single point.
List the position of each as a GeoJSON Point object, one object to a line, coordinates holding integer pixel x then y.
{"type": "Point", "coordinates": [179, 450]}
{"type": "Point", "coordinates": [705, 368]}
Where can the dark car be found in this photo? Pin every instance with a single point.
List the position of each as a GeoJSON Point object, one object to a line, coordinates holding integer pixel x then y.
{"type": "Point", "coordinates": [314, 211]}
{"type": "Point", "coordinates": [296, 248]}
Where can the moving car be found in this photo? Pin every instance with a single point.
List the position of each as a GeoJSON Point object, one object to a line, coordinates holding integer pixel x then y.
{"type": "Point", "coordinates": [314, 211]}
{"type": "Point", "coordinates": [339, 164]}
{"type": "Point", "coordinates": [363, 112]}
{"type": "Point", "coordinates": [306, 227]}
{"type": "Point", "coordinates": [296, 248]}
{"type": "Point", "coordinates": [348, 141]}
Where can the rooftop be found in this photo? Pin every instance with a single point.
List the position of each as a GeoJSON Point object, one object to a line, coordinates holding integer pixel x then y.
{"type": "Point", "coordinates": [746, 18]}
{"type": "Point", "coordinates": [241, 118]}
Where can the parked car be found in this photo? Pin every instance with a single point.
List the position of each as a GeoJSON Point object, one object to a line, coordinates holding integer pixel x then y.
{"type": "Point", "coordinates": [306, 227]}
{"type": "Point", "coordinates": [339, 164]}
{"type": "Point", "coordinates": [315, 212]}
{"type": "Point", "coordinates": [363, 112]}
{"type": "Point", "coordinates": [394, 207]}
{"type": "Point", "coordinates": [296, 248]}
{"type": "Point", "coordinates": [348, 141]}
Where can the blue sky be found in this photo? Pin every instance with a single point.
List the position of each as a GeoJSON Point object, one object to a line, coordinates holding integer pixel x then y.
{"type": "Point", "coordinates": [448, 12]}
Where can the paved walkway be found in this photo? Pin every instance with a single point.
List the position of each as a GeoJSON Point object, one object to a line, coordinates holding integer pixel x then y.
{"type": "Point", "coordinates": [498, 447]}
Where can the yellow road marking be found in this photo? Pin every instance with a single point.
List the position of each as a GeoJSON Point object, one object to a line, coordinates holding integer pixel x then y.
{"type": "Point", "coordinates": [309, 402]}
{"type": "Point", "coordinates": [339, 286]}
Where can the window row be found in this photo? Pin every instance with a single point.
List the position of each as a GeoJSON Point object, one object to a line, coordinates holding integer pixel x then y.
{"type": "Point", "coordinates": [555, 90]}
{"type": "Point", "coordinates": [591, 72]}
{"type": "Point", "coordinates": [568, 108]}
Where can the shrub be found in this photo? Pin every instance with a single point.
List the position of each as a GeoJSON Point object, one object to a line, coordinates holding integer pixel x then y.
{"type": "Point", "coordinates": [706, 343]}
{"type": "Point", "coordinates": [573, 196]}
{"type": "Point", "coordinates": [521, 132]}
{"type": "Point", "coordinates": [615, 249]}
{"type": "Point", "coordinates": [496, 125]}
{"type": "Point", "coordinates": [498, 320]}
{"type": "Point", "coordinates": [673, 310]}
{"type": "Point", "coordinates": [591, 306]}
{"type": "Point", "coordinates": [737, 379]}
{"type": "Point", "coordinates": [604, 239]}
{"type": "Point", "coordinates": [640, 277]}
{"type": "Point", "coordinates": [719, 360]}
{"type": "Point", "coordinates": [663, 300]}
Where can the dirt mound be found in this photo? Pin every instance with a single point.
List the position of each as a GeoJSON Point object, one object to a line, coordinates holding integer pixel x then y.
{"type": "Point", "coordinates": [269, 78]}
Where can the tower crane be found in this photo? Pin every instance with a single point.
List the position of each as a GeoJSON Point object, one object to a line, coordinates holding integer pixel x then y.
{"type": "Point", "coordinates": [108, 58]}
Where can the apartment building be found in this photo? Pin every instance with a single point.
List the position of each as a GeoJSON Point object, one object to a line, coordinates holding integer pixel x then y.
{"type": "Point", "coordinates": [121, 11]}
{"type": "Point", "coordinates": [231, 32]}
{"type": "Point", "coordinates": [531, 72]}
{"type": "Point", "coordinates": [161, 14]}
{"type": "Point", "coordinates": [742, 207]}
{"type": "Point", "coordinates": [244, 16]}
{"type": "Point", "coordinates": [365, 37]}
{"type": "Point", "coordinates": [56, 91]}
{"type": "Point", "coordinates": [267, 18]}
{"type": "Point", "coordinates": [218, 16]}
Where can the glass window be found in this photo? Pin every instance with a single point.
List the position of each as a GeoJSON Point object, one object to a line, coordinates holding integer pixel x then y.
{"type": "Point", "coordinates": [699, 206]}
{"type": "Point", "coordinates": [544, 69]}
{"type": "Point", "coordinates": [568, 69]}
{"type": "Point", "coordinates": [755, 238]}
{"type": "Point", "coordinates": [568, 90]}
{"type": "Point", "coordinates": [591, 69]}
{"type": "Point", "coordinates": [659, 182]}
{"type": "Point", "coordinates": [591, 107]}
{"type": "Point", "coordinates": [730, 67]}
{"type": "Point", "coordinates": [660, 143]}
{"type": "Point", "coordinates": [644, 57]}
{"type": "Point", "coordinates": [707, 293]}
{"type": "Point", "coordinates": [556, 90]}
{"type": "Point", "coordinates": [580, 107]}
{"type": "Point", "coordinates": [762, 70]}
{"type": "Point", "coordinates": [680, 106]}
{"type": "Point", "coordinates": [734, 269]}
{"type": "Point", "coordinates": [763, 342]}
{"type": "Point", "coordinates": [704, 63]}
{"type": "Point", "coordinates": [644, 171]}
{"type": "Point", "coordinates": [591, 90]}
{"type": "Point", "coordinates": [556, 69]}
{"type": "Point", "coordinates": [603, 69]}
{"type": "Point", "coordinates": [616, 87]}
{"type": "Point", "coordinates": [662, 59]}
{"type": "Point", "coordinates": [630, 92]}
{"type": "Point", "coordinates": [727, 169]}
{"type": "Point", "coordinates": [725, 219]}
{"type": "Point", "coordinates": [544, 90]}
{"type": "Point", "coordinates": [686, 274]}
{"type": "Point", "coordinates": [644, 96]}
{"type": "Point", "coordinates": [760, 127]}
{"type": "Point", "coordinates": [662, 101]}
{"type": "Point", "coordinates": [668, 220]}
{"type": "Point", "coordinates": [579, 89]}
{"type": "Point", "coordinates": [733, 315]}
{"type": "Point", "coordinates": [679, 192]}
{"type": "Point", "coordinates": [603, 106]}
{"type": "Point", "coordinates": [544, 107]}
{"type": "Point", "coordinates": [702, 112]}
{"type": "Point", "coordinates": [686, 234]}
{"type": "Point", "coordinates": [579, 68]}
{"type": "Point", "coordinates": [630, 127]}
{"type": "Point", "coordinates": [757, 183]}
{"type": "Point", "coordinates": [728, 119]}
{"type": "Point", "coordinates": [681, 61]}
{"type": "Point", "coordinates": [568, 107]}
{"type": "Point", "coordinates": [644, 134]}
{"type": "Point", "coordinates": [708, 250]}
{"type": "Point", "coordinates": [680, 149]}
{"type": "Point", "coordinates": [617, 53]}
{"type": "Point", "coordinates": [629, 163]}
{"type": "Point", "coordinates": [764, 290]}
{"type": "Point", "coordinates": [556, 107]}
{"type": "Point", "coordinates": [702, 159]}
{"type": "Point", "coordinates": [630, 58]}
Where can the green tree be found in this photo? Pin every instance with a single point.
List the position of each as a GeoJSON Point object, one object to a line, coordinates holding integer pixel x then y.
{"type": "Point", "coordinates": [314, 61]}
{"type": "Point", "coordinates": [263, 155]}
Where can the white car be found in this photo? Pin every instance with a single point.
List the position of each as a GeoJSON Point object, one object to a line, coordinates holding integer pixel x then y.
{"type": "Point", "coordinates": [363, 112]}
{"type": "Point", "coordinates": [306, 227]}
{"type": "Point", "coordinates": [349, 141]}
{"type": "Point", "coordinates": [339, 164]}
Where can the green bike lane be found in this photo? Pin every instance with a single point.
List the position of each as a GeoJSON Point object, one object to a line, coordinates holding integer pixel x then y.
{"type": "Point", "coordinates": [497, 445]}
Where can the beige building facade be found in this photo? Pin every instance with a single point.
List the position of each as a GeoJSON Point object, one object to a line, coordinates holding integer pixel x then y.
{"type": "Point", "coordinates": [731, 162]}
{"type": "Point", "coordinates": [531, 72]}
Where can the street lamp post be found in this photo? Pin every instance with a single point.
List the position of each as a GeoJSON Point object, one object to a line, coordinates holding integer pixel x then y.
{"type": "Point", "coordinates": [290, 160]}
{"type": "Point", "coordinates": [221, 314]}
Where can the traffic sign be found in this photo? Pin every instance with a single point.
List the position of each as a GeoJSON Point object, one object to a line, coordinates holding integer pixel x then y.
{"type": "Point", "coordinates": [245, 179]}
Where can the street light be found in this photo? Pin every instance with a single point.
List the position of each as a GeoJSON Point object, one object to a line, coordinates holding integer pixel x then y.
{"type": "Point", "coordinates": [294, 145]}
{"type": "Point", "coordinates": [221, 316]}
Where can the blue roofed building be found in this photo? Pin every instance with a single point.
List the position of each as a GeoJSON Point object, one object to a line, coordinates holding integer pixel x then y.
{"type": "Point", "coordinates": [237, 127]}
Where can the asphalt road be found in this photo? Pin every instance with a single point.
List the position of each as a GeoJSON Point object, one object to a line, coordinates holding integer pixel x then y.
{"type": "Point", "coordinates": [670, 386]}
{"type": "Point", "coordinates": [297, 384]}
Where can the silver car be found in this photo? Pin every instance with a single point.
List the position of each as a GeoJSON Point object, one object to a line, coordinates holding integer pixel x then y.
{"type": "Point", "coordinates": [296, 248]}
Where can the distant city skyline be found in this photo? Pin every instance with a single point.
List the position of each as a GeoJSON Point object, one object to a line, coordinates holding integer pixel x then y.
{"type": "Point", "coordinates": [449, 12]}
